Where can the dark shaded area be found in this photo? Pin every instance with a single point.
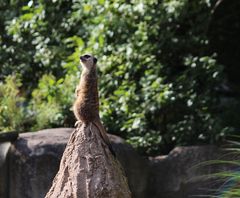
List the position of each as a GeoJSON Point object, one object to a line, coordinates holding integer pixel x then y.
{"type": "Point", "coordinates": [223, 34]}
{"type": "Point", "coordinates": [8, 136]}
{"type": "Point", "coordinates": [224, 31]}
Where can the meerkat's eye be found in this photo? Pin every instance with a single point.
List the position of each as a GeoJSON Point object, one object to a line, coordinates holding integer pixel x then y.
{"type": "Point", "coordinates": [86, 56]}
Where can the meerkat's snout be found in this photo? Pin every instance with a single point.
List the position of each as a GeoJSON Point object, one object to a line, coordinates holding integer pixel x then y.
{"type": "Point", "coordinates": [88, 59]}
{"type": "Point", "coordinates": [85, 57]}
{"type": "Point", "coordinates": [82, 58]}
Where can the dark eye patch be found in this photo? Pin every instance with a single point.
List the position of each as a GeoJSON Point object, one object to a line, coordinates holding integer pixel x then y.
{"type": "Point", "coordinates": [86, 56]}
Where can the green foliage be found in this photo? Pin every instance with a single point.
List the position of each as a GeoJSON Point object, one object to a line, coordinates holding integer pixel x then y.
{"type": "Point", "coordinates": [51, 101]}
{"type": "Point", "coordinates": [157, 80]}
{"type": "Point", "coordinates": [11, 105]}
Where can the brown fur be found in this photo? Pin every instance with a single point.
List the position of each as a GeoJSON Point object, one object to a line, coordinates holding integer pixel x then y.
{"type": "Point", "coordinates": [86, 106]}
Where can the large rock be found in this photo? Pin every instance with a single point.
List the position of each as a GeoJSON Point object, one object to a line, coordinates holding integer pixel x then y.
{"type": "Point", "coordinates": [5, 143]}
{"type": "Point", "coordinates": [34, 160]}
{"type": "Point", "coordinates": [4, 165]}
{"type": "Point", "coordinates": [181, 173]}
{"type": "Point", "coordinates": [88, 168]}
{"type": "Point", "coordinates": [135, 166]}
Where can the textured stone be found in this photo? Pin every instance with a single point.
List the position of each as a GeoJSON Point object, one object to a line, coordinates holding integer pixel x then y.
{"type": "Point", "coordinates": [88, 168]}
{"type": "Point", "coordinates": [181, 173]}
{"type": "Point", "coordinates": [136, 167]}
{"type": "Point", "coordinates": [4, 180]}
{"type": "Point", "coordinates": [34, 160]}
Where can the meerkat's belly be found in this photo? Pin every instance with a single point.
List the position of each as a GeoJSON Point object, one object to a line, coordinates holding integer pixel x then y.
{"type": "Point", "coordinates": [84, 111]}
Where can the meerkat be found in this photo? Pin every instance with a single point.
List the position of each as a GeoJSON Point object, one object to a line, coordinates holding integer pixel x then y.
{"type": "Point", "coordinates": [86, 105]}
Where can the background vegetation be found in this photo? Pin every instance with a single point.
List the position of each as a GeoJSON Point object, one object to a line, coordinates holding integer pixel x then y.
{"type": "Point", "coordinates": [164, 76]}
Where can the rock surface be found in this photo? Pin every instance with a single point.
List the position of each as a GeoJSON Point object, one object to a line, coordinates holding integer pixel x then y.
{"type": "Point", "coordinates": [34, 160]}
{"type": "Point", "coordinates": [181, 173]}
{"type": "Point", "coordinates": [4, 165]}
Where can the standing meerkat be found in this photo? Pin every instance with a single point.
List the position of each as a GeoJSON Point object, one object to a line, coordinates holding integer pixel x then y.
{"type": "Point", "coordinates": [86, 106]}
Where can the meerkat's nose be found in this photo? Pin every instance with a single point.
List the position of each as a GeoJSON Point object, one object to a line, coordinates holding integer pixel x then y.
{"type": "Point", "coordinates": [82, 58]}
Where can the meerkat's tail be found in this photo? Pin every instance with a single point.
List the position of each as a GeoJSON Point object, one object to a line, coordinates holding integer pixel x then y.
{"type": "Point", "coordinates": [103, 134]}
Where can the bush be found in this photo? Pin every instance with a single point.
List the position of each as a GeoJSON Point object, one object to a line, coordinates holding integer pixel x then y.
{"type": "Point", "coordinates": [11, 105]}
{"type": "Point", "coordinates": [157, 80]}
{"type": "Point", "coordinates": [51, 102]}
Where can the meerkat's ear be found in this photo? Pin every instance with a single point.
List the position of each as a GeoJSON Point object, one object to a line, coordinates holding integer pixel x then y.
{"type": "Point", "coordinates": [95, 60]}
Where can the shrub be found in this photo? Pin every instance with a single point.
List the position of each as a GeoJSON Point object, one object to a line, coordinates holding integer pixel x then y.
{"type": "Point", "coordinates": [12, 112]}
{"type": "Point", "coordinates": [51, 102]}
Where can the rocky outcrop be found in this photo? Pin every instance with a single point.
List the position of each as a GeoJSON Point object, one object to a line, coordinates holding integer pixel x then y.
{"type": "Point", "coordinates": [181, 173]}
{"type": "Point", "coordinates": [88, 168]}
{"type": "Point", "coordinates": [34, 158]}
{"type": "Point", "coordinates": [4, 166]}
{"type": "Point", "coordinates": [34, 161]}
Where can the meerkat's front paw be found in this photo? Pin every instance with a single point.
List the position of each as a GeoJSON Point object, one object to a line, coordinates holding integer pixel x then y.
{"type": "Point", "coordinates": [76, 91]}
{"type": "Point", "coordinates": [77, 123]}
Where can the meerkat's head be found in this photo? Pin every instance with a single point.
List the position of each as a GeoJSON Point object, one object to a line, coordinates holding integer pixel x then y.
{"type": "Point", "coordinates": [88, 61]}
